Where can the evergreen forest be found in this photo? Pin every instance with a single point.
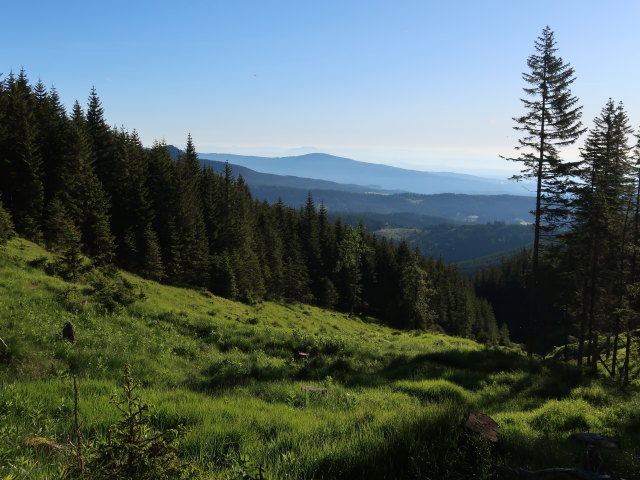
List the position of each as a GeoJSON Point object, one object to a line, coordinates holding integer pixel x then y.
{"type": "Point", "coordinates": [75, 184]}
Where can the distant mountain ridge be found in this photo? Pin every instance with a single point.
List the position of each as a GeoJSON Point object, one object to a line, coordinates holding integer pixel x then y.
{"type": "Point", "coordinates": [352, 199]}
{"type": "Point", "coordinates": [372, 175]}
{"type": "Point", "coordinates": [448, 206]}
{"type": "Point", "coordinates": [254, 178]}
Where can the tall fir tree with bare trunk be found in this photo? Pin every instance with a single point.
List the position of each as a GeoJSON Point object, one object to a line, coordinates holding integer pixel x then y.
{"type": "Point", "coordinates": [551, 121]}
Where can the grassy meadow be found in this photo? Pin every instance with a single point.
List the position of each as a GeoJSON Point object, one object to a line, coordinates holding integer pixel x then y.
{"type": "Point", "coordinates": [232, 375]}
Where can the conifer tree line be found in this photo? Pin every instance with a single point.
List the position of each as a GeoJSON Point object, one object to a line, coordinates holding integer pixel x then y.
{"type": "Point", "coordinates": [582, 274]}
{"type": "Point", "coordinates": [72, 182]}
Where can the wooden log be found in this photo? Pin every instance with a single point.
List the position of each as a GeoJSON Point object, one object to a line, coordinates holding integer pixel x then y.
{"type": "Point", "coordinates": [557, 474]}
{"type": "Point", "coordinates": [596, 440]}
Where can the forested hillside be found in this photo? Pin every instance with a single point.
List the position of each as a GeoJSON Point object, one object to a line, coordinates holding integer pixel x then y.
{"type": "Point", "coordinates": [77, 185]}
{"type": "Point", "coordinates": [458, 207]}
{"type": "Point", "coordinates": [456, 243]}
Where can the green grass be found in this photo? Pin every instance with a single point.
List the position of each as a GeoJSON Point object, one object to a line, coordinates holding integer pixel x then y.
{"type": "Point", "coordinates": [231, 373]}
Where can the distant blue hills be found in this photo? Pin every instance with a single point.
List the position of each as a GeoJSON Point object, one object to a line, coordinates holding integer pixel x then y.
{"type": "Point", "coordinates": [370, 195]}
{"type": "Point", "coordinates": [374, 176]}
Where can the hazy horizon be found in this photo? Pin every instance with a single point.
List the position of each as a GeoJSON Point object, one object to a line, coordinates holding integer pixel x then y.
{"type": "Point", "coordinates": [432, 161]}
{"type": "Point", "coordinates": [421, 85]}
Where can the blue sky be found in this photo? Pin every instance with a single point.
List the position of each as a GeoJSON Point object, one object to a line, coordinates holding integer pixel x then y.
{"type": "Point", "coordinates": [431, 85]}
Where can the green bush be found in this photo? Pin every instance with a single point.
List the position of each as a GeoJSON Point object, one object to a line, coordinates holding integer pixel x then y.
{"type": "Point", "coordinates": [110, 289]}
{"type": "Point", "coordinates": [133, 450]}
{"type": "Point", "coordinates": [6, 226]}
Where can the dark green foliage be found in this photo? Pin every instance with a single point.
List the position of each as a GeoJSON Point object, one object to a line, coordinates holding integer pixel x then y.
{"type": "Point", "coordinates": [506, 288]}
{"type": "Point", "coordinates": [416, 297]}
{"type": "Point", "coordinates": [224, 277]}
{"type": "Point", "coordinates": [243, 468]}
{"type": "Point", "coordinates": [65, 238]}
{"type": "Point", "coordinates": [599, 247]}
{"type": "Point", "coordinates": [151, 265]}
{"type": "Point", "coordinates": [583, 281]}
{"type": "Point", "coordinates": [352, 250]}
{"type": "Point", "coordinates": [7, 231]}
{"type": "Point", "coordinates": [21, 184]}
{"type": "Point", "coordinates": [193, 264]}
{"type": "Point", "coordinates": [110, 289]}
{"type": "Point", "coordinates": [69, 264]}
{"type": "Point", "coordinates": [133, 449]}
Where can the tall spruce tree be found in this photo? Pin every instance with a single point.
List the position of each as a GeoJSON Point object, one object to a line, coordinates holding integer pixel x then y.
{"type": "Point", "coordinates": [161, 181]}
{"type": "Point", "coordinates": [551, 121]}
{"type": "Point", "coordinates": [83, 194]}
{"type": "Point", "coordinates": [352, 251]}
{"type": "Point", "coordinates": [416, 292]}
{"type": "Point", "coordinates": [20, 157]}
{"type": "Point", "coordinates": [103, 143]}
{"type": "Point", "coordinates": [191, 229]}
{"type": "Point", "coordinates": [599, 230]}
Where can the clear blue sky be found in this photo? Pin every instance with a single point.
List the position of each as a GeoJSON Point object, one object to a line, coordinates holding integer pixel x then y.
{"type": "Point", "coordinates": [432, 84]}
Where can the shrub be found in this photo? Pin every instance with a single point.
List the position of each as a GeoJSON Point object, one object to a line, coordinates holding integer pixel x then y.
{"type": "Point", "coordinates": [6, 226]}
{"type": "Point", "coordinates": [110, 289]}
{"type": "Point", "coordinates": [133, 449]}
{"type": "Point", "coordinates": [243, 468]}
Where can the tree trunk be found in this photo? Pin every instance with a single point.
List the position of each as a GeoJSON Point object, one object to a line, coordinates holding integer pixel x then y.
{"type": "Point", "coordinates": [533, 297]}
{"type": "Point", "coordinates": [595, 354]}
{"type": "Point", "coordinates": [614, 357]}
{"type": "Point", "coordinates": [583, 325]}
{"type": "Point", "coordinates": [627, 356]}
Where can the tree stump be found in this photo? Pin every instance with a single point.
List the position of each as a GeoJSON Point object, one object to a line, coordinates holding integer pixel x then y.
{"type": "Point", "coordinates": [68, 332]}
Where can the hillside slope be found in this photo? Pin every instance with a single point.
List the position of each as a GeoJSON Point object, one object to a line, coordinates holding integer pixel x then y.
{"type": "Point", "coordinates": [233, 375]}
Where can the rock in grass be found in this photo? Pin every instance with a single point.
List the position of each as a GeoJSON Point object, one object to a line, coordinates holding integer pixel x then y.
{"type": "Point", "coordinates": [313, 388]}
{"type": "Point", "coordinates": [482, 424]}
